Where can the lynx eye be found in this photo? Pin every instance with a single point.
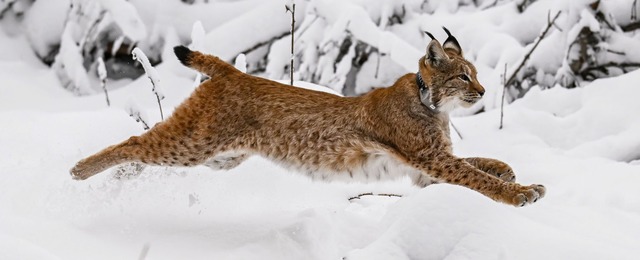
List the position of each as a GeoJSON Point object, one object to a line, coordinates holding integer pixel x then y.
{"type": "Point", "coordinates": [464, 77]}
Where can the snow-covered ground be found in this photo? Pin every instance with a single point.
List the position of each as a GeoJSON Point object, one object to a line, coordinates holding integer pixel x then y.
{"type": "Point", "coordinates": [582, 144]}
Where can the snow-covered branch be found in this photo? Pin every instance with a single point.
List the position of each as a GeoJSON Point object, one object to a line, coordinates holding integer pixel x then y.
{"type": "Point", "coordinates": [136, 113]}
{"type": "Point", "coordinates": [152, 74]}
{"type": "Point", "coordinates": [102, 75]}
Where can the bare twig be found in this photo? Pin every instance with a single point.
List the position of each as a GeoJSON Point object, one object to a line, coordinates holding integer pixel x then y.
{"type": "Point", "coordinates": [604, 68]}
{"type": "Point", "coordinates": [292, 10]}
{"type": "Point", "coordinates": [102, 74]}
{"type": "Point", "coordinates": [535, 45]}
{"type": "Point", "coordinates": [455, 129]}
{"type": "Point", "coordinates": [377, 65]}
{"type": "Point", "coordinates": [616, 52]}
{"type": "Point", "coordinates": [375, 194]}
{"type": "Point", "coordinates": [634, 10]}
{"type": "Point", "coordinates": [303, 30]}
{"type": "Point", "coordinates": [508, 82]}
{"type": "Point", "coordinates": [144, 252]}
{"type": "Point", "coordinates": [262, 44]}
{"type": "Point", "coordinates": [138, 117]}
{"type": "Point", "coordinates": [160, 106]}
{"type": "Point", "coordinates": [553, 23]}
{"type": "Point", "coordinates": [504, 89]}
{"type": "Point", "coordinates": [630, 27]}
{"type": "Point", "coordinates": [490, 5]}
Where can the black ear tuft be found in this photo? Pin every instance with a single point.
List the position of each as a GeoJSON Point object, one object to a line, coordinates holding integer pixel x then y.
{"type": "Point", "coordinates": [451, 42]}
{"type": "Point", "coordinates": [183, 54]}
{"type": "Point", "coordinates": [430, 35]}
{"type": "Point", "coordinates": [447, 31]}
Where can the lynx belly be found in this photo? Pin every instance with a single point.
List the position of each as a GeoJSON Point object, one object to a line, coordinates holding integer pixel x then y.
{"type": "Point", "coordinates": [376, 167]}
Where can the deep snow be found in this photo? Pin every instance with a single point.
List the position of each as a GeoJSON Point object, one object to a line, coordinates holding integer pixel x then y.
{"type": "Point", "coordinates": [582, 144]}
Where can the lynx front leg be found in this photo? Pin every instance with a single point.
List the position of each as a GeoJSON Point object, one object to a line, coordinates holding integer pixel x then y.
{"type": "Point", "coordinates": [457, 171]}
{"type": "Point", "coordinates": [104, 159]}
{"type": "Point", "coordinates": [493, 167]}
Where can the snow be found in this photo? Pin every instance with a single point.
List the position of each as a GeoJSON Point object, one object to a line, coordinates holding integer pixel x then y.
{"type": "Point", "coordinates": [197, 36]}
{"type": "Point", "coordinates": [227, 40]}
{"type": "Point", "coordinates": [44, 30]}
{"type": "Point", "coordinates": [127, 18]}
{"type": "Point", "coordinates": [259, 210]}
{"type": "Point", "coordinates": [581, 143]}
{"type": "Point", "coordinates": [70, 60]}
{"type": "Point", "coordinates": [241, 63]}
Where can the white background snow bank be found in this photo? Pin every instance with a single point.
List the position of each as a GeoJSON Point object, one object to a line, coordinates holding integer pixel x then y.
{"type": "Point", "coordinates": [583, 144]}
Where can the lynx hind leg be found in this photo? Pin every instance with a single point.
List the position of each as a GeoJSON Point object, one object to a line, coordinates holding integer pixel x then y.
{"type": "Point", "coordinates": [493, 167]}
{"type": "Point", "coordinates": [226, 161]}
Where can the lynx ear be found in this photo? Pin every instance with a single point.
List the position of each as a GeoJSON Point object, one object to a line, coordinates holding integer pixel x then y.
{"type": "Point", "coordinates": [435, 53]}
{"type": "Point", "coordinates": [451, 43]}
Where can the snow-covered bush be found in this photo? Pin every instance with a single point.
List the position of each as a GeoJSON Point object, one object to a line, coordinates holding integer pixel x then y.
{"type": "Point", "coordinates": [595, 41]}
{"type": "Point", "coordinates": [351, 46]}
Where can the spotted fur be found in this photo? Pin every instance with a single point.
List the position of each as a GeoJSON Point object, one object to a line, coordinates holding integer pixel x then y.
{"type": "Point", "coordinates": [385, 134]}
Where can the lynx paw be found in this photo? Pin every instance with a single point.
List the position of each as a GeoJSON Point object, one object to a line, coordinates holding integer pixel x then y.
{"type": "Point", "coordinates": [525, 195]}
{"type": "Point", "coordinates": [503, 171]}
{"type": "Point", "coordinates": [76, 174]}
{"type": "Point", "coordinates": [80, 171]}
{"type": "Point", "coordinates": [507, 175]}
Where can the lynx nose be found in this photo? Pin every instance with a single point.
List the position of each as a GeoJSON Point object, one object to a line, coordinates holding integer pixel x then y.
{"type": "Point", "coordinates": [480, 90]}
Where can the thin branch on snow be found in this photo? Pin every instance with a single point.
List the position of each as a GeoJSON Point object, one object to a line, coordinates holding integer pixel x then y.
{"type": "Point", "coordinates": [137, 114]}
{"type": "Point", "coordinates": [528, 55]}
{"type": "Point", "coordinates": [152, 74]}
{"type": "Point", "coordinates": [144, 252]}
{"type": "Point", "coordinates": [616, 52]}
{"type": "Point", "coordinates": [262, 44]}
{"type": "Point", "coordinates": [630, 27]}
{"type": "Point", "coordinates": [589, 72]}
{"type": "Point", "coordinates": [634, 10]}
{"type": "Point", "coordinates": [375, 194]}
{"type": "Point", "coordinates": [456, 130]}
{"type": "Point", "coordinates": [102, 74]}
{"type": "Point", "coordinates": [303, 30]}
{"type": "Point", "coordinates": [508, 82]}
{"type": "Point", "coordinates": [553, 22]}
{"type": "Point", "coordinates": [495, 2]}
{"type": "Point", "coordinates": [504, 89]}
{"type": "Point", "coordinates": [377, 65]}
{"type": "Point", "coordinates": [292, 10]}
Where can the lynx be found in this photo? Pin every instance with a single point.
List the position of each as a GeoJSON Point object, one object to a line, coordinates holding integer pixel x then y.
{"type": "Point", "coordinates": [402, 130]}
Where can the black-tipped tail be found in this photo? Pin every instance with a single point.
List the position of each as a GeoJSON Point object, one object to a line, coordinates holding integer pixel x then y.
{"type": "Point", "coordinates": [183, 53]}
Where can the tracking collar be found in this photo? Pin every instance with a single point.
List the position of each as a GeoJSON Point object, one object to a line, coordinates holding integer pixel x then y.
{"type": "Point", "coordinates": [425, 95]}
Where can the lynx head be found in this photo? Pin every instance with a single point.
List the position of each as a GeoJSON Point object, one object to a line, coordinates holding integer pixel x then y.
{"type": "Point", "coordinates": [450, 79]}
